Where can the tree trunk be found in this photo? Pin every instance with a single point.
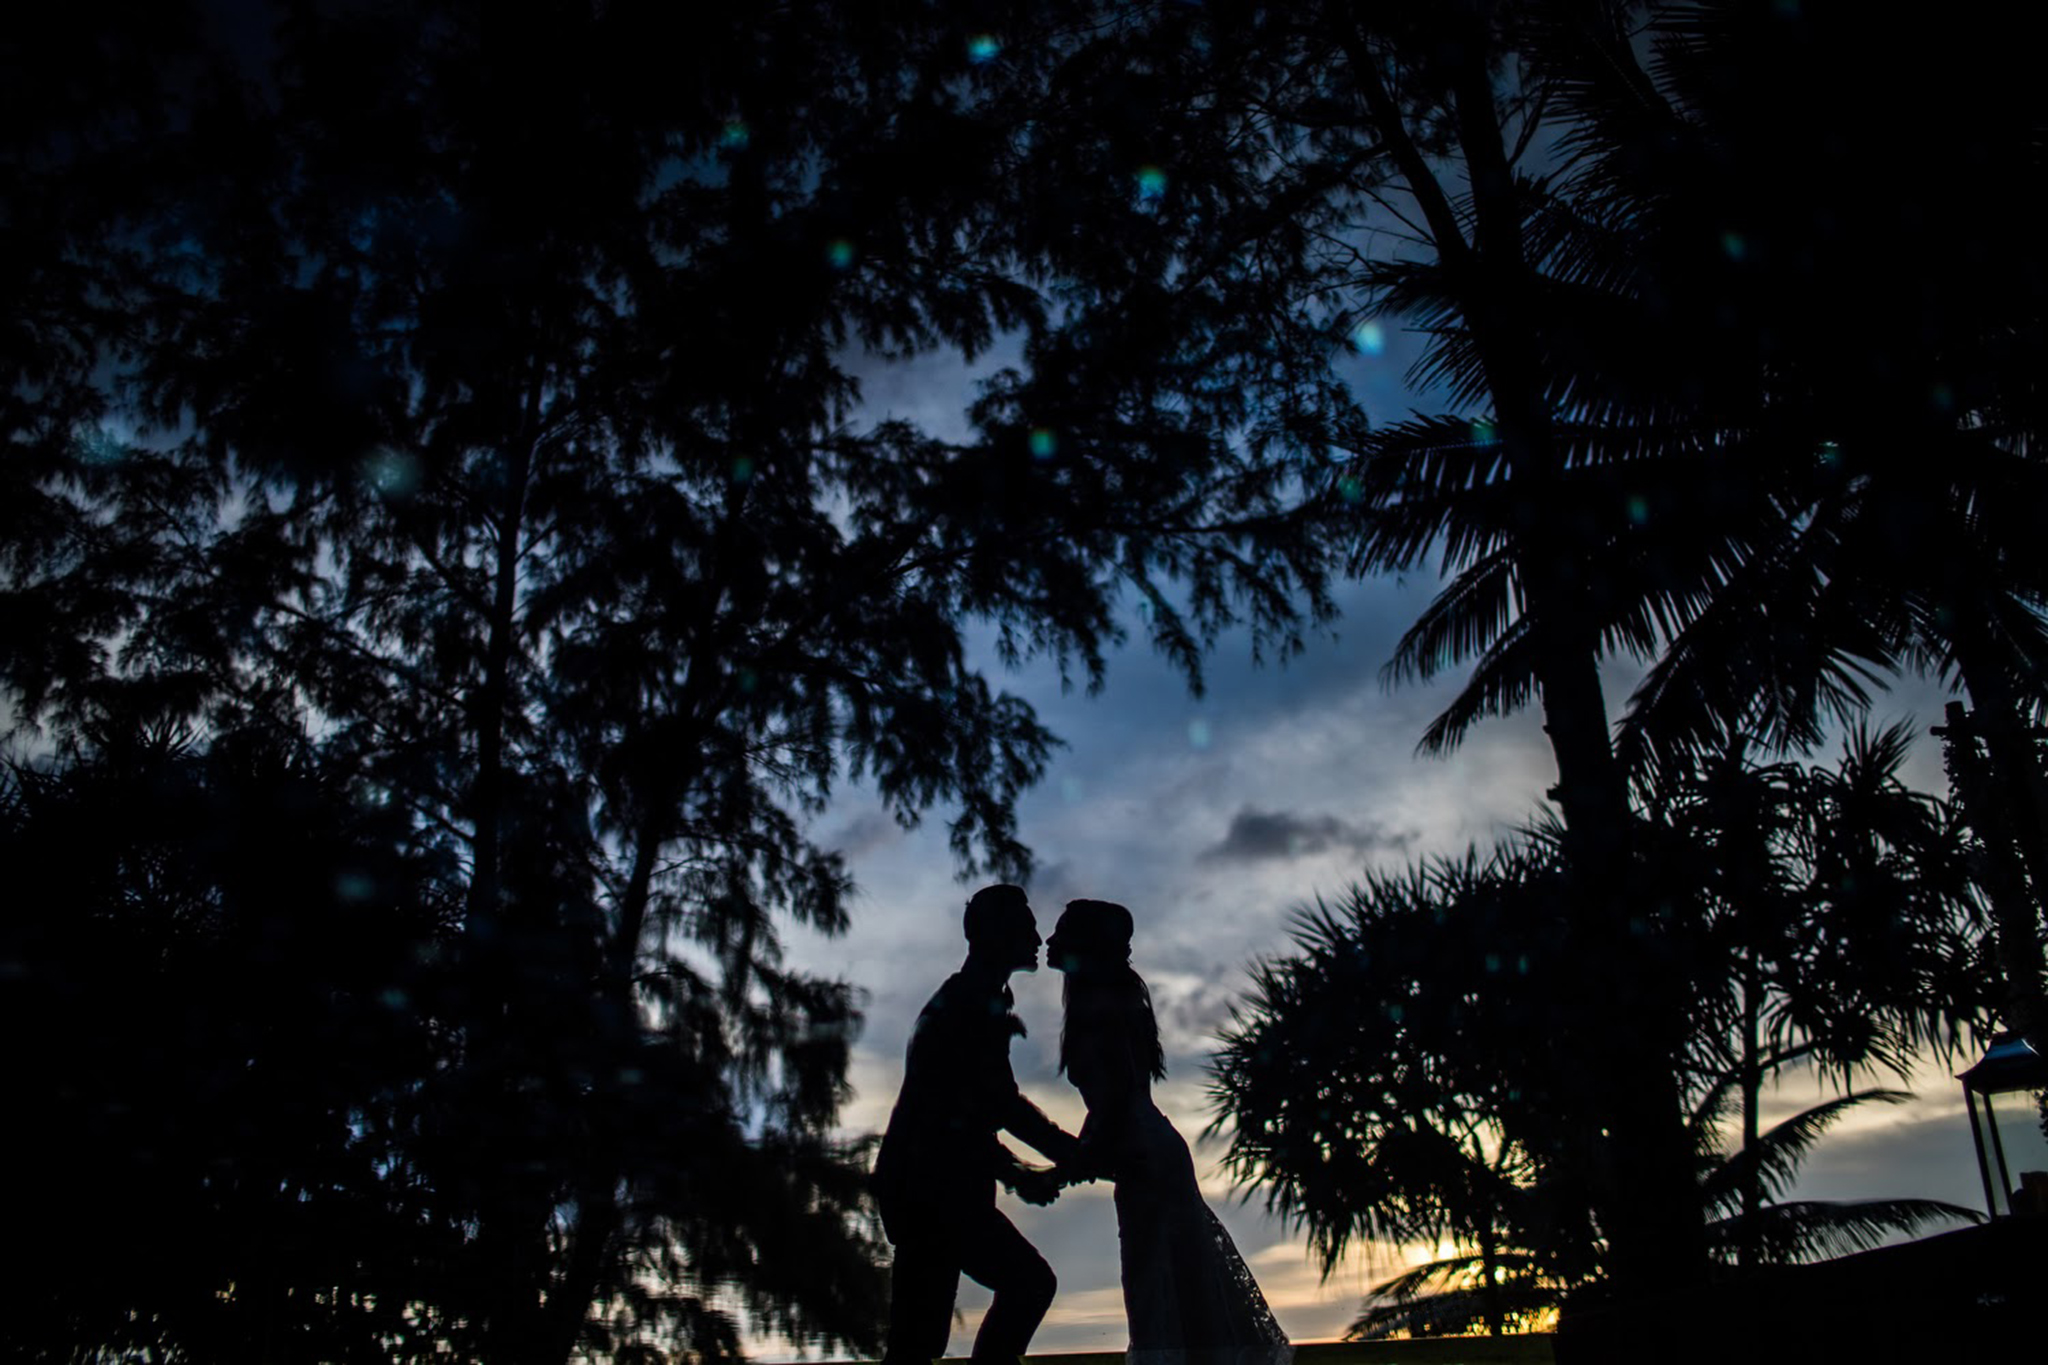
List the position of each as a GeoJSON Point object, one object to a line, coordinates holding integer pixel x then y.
{"type": "Point", "coordinates": [1752, 1094]}
{"type": "Point", "coordinates": [599, 1217]}
{"type": "Point", "coordinates": [1649, 1202]}
{"type": "Point", "coordinates": [2006, 802]}
{"type": "Point", "coordinates": [514, 1208]}
{"type": "Point", "coordinates": [1489, 1282]}
{"type": "Point", "coordinates": [1653, 1221]}
{"type": "Point", "coordinates": [2003, 873]}
{"type": "Point", "coordinates": [591, 1246]}
{"type": "Point", "coordinates": [2015, 772]}
{"type": "Point", "coordinates": [487, 786]}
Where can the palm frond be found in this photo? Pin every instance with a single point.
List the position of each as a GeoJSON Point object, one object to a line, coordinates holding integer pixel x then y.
{"type": "Point", "coordinates": [1814, 1230]}
{"type": "Point", "coordinates": [1780, 1148]}
{"type": "Point", "coordinates": [1502, 682]}
{"type": "Point", "coordinates": [1467, 615]}
{"type": "Point", "coordinates": [1441, 1298]}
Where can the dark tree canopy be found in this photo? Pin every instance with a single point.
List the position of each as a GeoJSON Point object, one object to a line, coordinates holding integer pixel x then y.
{"type": "Point", "coordinates": [455, 414]}
{"type": "Point", "coordinates": [443, 422]}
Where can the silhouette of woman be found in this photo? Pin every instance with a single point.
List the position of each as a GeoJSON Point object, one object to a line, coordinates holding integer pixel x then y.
{"type": "Point", "coordinates": [1189, 1298]}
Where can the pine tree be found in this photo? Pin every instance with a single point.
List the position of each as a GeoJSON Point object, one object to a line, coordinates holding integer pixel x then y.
{"type": "Point", "coordinates": [469, 408]}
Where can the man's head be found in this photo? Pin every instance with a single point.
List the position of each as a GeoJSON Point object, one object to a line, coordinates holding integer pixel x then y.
{"type": "Point", "coordinates": [1001, 928]}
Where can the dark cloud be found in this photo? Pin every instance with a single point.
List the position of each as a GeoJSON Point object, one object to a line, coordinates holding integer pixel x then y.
{"type": "Point", "coordinates": [1051, 887]}
{"type": "Point", "coordinates": [1191, 1014]}
{"type": "Point", "coordinates": [864, 833]}
{"type": "Point", "coordinates": [1257, 835]}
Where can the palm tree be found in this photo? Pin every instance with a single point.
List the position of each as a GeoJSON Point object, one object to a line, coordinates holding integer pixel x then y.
{"type": "Point", "coordinates": [1796, 534]}
{"type": "Point", "coordinates": [1767, 181]}
{"type": "Point", "coordinates": [1443, 1109]}
{"type": "Point", "coordinates": [1825, 924]}
{"type": "Point", "coordinates": [1539, 504]}
{"type": "Point", "coordinates": [1840, 905]}
{"type": "Point", "coordinates": [1500, 1289]}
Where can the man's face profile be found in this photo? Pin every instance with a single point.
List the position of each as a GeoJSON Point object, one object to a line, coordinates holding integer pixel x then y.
{"type": "Point", "coordinates": [1013, 938]}
{"type": "Point", "coordinates": [1002, 930]}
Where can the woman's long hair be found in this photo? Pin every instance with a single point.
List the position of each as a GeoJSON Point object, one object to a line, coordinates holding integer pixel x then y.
{"type": "Point", "coordinates": [1105, 1003]}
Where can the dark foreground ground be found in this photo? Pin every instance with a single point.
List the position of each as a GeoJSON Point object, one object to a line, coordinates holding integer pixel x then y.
{"type": "Point", "coordinates": [1533, 1349]}
{"type": "Point", "coordinates": [1977, 1294]}
{"type": "Point", "coordinates": [1973, 1295]}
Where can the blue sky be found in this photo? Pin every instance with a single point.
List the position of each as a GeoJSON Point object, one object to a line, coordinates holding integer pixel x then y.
{"type": "Point", "coordinates": [1216, 820]}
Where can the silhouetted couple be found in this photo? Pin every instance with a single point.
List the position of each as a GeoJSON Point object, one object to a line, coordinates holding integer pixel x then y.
{"type": "Point", "coordinates": [1188, 1296]}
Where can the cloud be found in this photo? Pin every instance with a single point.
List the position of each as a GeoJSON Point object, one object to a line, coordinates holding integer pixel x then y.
{"type": "Point", "coordinates": [1051, 887]}
{"type": "Point", "coordinates": [1258, 835]}
{"type": "Point", "coordinates": [866, 832]}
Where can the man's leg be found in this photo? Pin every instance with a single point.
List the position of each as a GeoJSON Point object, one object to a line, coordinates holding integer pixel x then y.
{"type": "Point", "coordinates": [996, 1255]}
{"type": "Point", "coordinates": [923, 1282]}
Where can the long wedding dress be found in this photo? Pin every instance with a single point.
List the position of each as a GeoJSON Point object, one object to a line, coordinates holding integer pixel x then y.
{"type": "Point", "coordinates": [1188, 1296]}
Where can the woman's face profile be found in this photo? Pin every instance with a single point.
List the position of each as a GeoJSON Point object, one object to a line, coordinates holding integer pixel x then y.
{"type": "Point", "coordinates": [1074, 940]}
{"type": "Point", "coordinates": [1059, 952]}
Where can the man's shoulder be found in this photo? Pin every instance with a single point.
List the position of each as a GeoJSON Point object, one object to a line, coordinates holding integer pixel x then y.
{"type": "Point", "coordinates": [963, 1002]}
{"type": "Point", "coordinates": [960, 994]}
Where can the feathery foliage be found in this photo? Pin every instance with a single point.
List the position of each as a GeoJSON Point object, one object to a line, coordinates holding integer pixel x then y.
{"type": "Point", "coordinates": [466, 405]}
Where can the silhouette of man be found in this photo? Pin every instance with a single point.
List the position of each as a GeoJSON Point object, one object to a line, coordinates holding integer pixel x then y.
{"type": "Point", "coordinates": [936, 1175]}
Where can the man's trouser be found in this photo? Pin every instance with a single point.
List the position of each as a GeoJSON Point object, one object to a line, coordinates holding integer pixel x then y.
{"type": "Point", "coordinates": [934, 1243]}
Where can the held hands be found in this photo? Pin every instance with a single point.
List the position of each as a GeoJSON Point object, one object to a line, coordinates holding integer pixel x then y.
{"type": "Point", "coordinates": [1036, 1186]}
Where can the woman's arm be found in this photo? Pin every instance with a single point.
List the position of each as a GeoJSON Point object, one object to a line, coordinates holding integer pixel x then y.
{"type": "Point", "coordinates": [1106, 1088]}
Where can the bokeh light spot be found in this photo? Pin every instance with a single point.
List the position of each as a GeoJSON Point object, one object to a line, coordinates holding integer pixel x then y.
{"type": "Point", "coordinates": [1368, 338]}
{"type": "Point", "coordinates": [1151, 183]}
{"type": "Point", "coordinates": [1045, 443]}
{"type": "Point", "coordinates": [983, 47]}
{"type": "Point", "coordinates": [97, 446]}
{"type": "Point", "coordinates": [1638, 510]}
{"type": "Point", "coordinates": [1482, 432]}
{"type": "Point", "coordinates": [840, 253]}
{"type": "Point", "coordinates": [1198, 734]}
{"type": "Point", "coordinates": [1733, 246]}
{"type": "Point", "coordinates": [1351, 488]}
{"type": "Point", "coordinates": [733, 136]}
{"type": "Point", "coordinates": [742, 469]}
{"type": "Point", "coordinates": [392, 472]}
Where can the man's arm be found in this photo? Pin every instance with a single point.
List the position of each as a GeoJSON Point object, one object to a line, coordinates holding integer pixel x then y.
{"type": "Point", "coordinates": [1028, 1122]}
{"type": "Point", "coordinates": [1007, 1105]}
{"type": "Point", "coordinates": [1032, 1184]}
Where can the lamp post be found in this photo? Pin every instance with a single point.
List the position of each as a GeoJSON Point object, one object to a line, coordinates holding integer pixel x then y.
{"type": "Point", "coordinates": [2013, 1064]}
